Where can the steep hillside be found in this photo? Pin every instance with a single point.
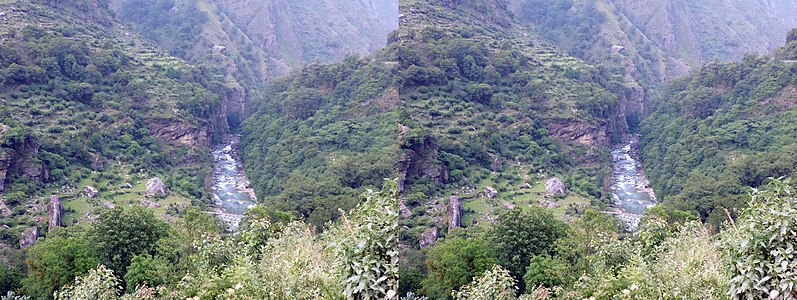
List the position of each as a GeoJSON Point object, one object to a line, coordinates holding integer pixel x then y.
{"type": "Point", "coordinates": [323, 135]}
{"type": "Point", "coordinates": [294, 33]}
{"type": "Point", "coordinates": [704, 30]}
{"type": "Point", "coordinates": [89, 106]}
{"type": "Point", "coordinates": [264, 39]}
{"type": "Point", "coordinates": [491, 112]}
{"type": "Point", "coordinates": [251, 42]}
{"type": "Point", "coordinates": [726, 128]}
{"type": "Point", "coordinates": [663, 39]}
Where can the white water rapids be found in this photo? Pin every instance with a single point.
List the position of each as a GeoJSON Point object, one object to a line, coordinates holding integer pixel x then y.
{"type": "Point", "coordinates": [631, 189]}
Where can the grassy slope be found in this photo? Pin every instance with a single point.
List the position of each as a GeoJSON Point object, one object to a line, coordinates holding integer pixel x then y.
{"type": "Point", "coordinates": [461, 127]}
{"type": "Point", "coordinates": [117, 131]}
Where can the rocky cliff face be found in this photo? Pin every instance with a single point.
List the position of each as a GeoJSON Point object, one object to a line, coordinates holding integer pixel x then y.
{"type": "Point", "coordinates": [702, 30]}
{"type": "Point", "coordinates": [299, 31]}
{"type": "Point", "coordinates": [55, 212]}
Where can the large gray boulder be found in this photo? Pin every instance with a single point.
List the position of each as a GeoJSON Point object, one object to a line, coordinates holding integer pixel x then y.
{"type": "Point", "coordinates": [29, 236]}
{"type": "Point", "coordinates": [428, 238]}
{"type": "Point", "coordinates": [155, 186]}
{"type": "Point", "coordinates": [555, 187]}
{"type": "Point", "coordinates": [490, 192]}
{"type": "Point", "coordinates": [91, 192]}
{"type": "Point", "coordinates": [55, 211]}
{"type": "Point", "coordinates": [454, 213]}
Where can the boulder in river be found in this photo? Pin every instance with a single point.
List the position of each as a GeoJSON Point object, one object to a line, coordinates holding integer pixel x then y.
{"type": "Point", "coordinates": [155, 186]}
{"type": "Point", "coordinates": [91, 192]}
{"type": "Point", "coordinates": [428, 238]}
{"type": "Point", "coordinates": [490, 192]}
{"type": "Point", "coordinates": [555, 187]}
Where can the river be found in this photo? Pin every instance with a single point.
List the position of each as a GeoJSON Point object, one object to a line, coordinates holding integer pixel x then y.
{"type": "Point", "coordinates": [631, 189]}
{"type": "Point", "coordinates": [232, 193]}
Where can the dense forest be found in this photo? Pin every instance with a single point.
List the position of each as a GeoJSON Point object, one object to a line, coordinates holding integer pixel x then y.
{"type": "Point", "coordinates": [490, 150]}
{"type": "Point", "coordinates": [79, 109]}
{"type": "Point", "coordinates": [324, 135]}
{"type": "Point", "coordinates": [485, 106]}
{"type": "Point", "coordinates": [464, 88]}
{"type": "Point", "coordinates": [106, 128]}
{"type": "Point", "coordinates": [729, 126]}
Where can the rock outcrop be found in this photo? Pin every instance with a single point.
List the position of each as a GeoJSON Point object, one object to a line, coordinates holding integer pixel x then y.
{"type": "Point", "coordinates": [155, 187]}
{"type": "Point", "coordinates": [490, 192]}
{"type": "Point", "coordinates": [428, 238]}
{"type": "Point", "coordinates": [55, 211]}
{"type": "Point", "coordinates": [29, 236]}
{"type": "Point", "coordinates": [454, 213]}
{"type": "Point", "coordinates": [5, 163]}
{"type": "Point", "coordinates": [555, 187]}
{"type": "Point", "coordinates": [91, 192]}
{"type": "Point", "coordinates": [4, 210]}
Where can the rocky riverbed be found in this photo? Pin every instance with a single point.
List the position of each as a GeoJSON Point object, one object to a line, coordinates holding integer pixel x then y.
{"type": "Point", "coordinates": [232, 193]}
{"type": "Point", "coordinates": [631, 189]}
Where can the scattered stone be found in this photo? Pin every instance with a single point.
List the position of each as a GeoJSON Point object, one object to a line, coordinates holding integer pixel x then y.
{"type": "Point", "coordinates": [428, 238]}
{"type": "Point", "coordinates": [29, 236]}
{"type": "Point", "coordinates": [454, 213]}
{"type": "Point", "coordinates": [404, 210]}
{"type": "Point", "coordinates": [108, 204]}
{"type": "Point", "coordinates": [155, 186]}
{"type": "Point", "coordinates": [526, 186]}
{"type": "Point", "coordinates": [508, 205]}
{"type": "Point", "coordinates": [127, 185]}
{"type": "Point", "coordinates": [618, 49]}
{"type": "Point", "coordinates": [55, 211]}
{"type": "Point", "coordinates": [91, 192]}
{"type": "Point", "coordinates": [150, 204]}
{"type": "Point", "coordinates": [555, 187]}
{"type": "Point", "coordinates": [490, 192]}
{"type": "Point", "coordinates": [549, 204]}
{"type": "Point", "coordinates": [4, 210]}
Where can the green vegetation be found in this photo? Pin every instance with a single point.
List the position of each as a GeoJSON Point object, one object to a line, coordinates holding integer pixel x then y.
{"type": "Point", "coordinates": [354, 259]}
{"type": "Point", "coordinates": [86, 104]}
{"type": "Point", "coordinates": [729, 127]}
{"type": "Point", "coordinates": [662, 260]}
{"type": "Point", "coordinates": [486, 106]}
{"type": "Point", "coordinates": [322, 136]}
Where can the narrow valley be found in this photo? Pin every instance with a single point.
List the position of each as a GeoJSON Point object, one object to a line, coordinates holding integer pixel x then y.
{"type": "Point", "coordinates": [232, 193]}
{"type": "Point", "coordinates": [631, 191]}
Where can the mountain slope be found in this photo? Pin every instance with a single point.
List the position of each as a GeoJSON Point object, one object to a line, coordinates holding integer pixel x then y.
{"type": "Point", "coordinates": [728, 127]}
{"type": "Point", "coordinates": [323, 135]}
{"type": "Point", "coordinates": [488, 104]}
{"type": "Point", "coordinates": [85, 102]}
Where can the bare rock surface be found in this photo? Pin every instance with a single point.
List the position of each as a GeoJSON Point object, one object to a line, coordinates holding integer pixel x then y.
{"type": "Point", "coordinates": [155, 186]}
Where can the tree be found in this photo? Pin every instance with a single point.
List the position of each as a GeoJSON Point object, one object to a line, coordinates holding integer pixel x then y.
{"type": "Point", "coordinates": [494, 284]}
{"type": "Point", "coordinates": [546, 271]}
{"type": "Point", "coordinates": [144, 270]}
{"type": "Point", "coordinates": [762, 254]}
{"type": "Point", "coordinates": [56, 262]}
{"type": "Point", "coordinates": [367, 248]}
{"type": "Point", "coordinates": [521, 234]}
{"type": "Point", "coordinates": [98, 284]}
{"type": "Point", "coordinates": [121, 234]}
{"type": "Point", "coordinates": [455, 262]}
